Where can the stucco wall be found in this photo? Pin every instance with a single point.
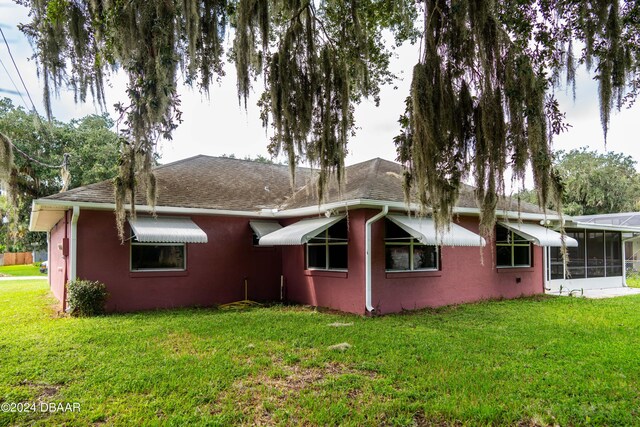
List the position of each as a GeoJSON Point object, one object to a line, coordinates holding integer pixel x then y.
{"type": "Point", "coordinates": [58, 263]}
{"type": "Point", "coordinates": [464, 276]}
{"type": "Point", "coordinates": [337, 290]}
{"type": "Point", "coordinates": [215, 271]}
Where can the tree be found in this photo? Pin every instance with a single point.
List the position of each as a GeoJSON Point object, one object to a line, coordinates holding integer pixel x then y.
{"type": "Point", "coordinates": [598, 183]}
{"type": "Point", "coordinates": [595, 183]}
{"type": "Point", "coordinates": [92, 150]}
{"type": "Point", "coordinates": [481, 98]}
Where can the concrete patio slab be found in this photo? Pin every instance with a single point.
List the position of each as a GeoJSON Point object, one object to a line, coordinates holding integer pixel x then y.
{"type": "Point", "coordinates": [599, 293]}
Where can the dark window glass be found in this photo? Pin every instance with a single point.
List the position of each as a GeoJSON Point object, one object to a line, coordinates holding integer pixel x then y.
{"type": "Point", "coordinates": [338, 256]}
{"type": "Point", "coordinates": [502, 235]}
{"type": "Point", "coordinates": [512, 250]}
{"type": "Point", "coordinates": [521, 256]}
{"type": "Point", "coordinates": [157, 257]}
{"type": "Point", "coordinates": [338, 230]}
{"type": "Point", "coordinates": [316, 256]}
{"type": "Point", "coordinates": [503, 256]}
{"type": "Point", "coordinates": [394, 233]}
{"type": "Point", "coordinates": [398, 257]}
{"type": "Point", "coordinates": [404, 253]}
{"type": "Point", "coordinates": [613, 253]}
{"type": "Point", "coordinates": [595, 254]}
{"type": "Point", "coordinates": [332, 243]}
{"type": "Point", "coordinates": [425, 257]}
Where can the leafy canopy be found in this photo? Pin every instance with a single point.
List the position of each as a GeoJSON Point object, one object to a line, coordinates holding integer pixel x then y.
{"type": "Point", "coordinates": [92, 150]}
{"type": "Point", "coordinates": [596, 183]}
{"type": "Point", "coordinates": [481, 98]}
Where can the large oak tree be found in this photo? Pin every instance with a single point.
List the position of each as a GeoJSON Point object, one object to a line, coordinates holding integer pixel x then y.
{"type": "Point", "coordinates": [481, 99]}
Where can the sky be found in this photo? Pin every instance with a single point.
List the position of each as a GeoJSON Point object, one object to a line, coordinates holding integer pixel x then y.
{"type": "Point", "coordinates": [219, 125]}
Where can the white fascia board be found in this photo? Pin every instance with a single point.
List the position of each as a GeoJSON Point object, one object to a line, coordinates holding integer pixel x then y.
{"type": "Point", "coordinates": [148, 209]}
{"type": "Point", "coordinates": [606, 227]}
{"type": "Point", "coordinates": [291, 213]}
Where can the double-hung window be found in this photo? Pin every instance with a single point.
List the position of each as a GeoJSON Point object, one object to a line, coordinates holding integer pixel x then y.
{"type": "Point", "coordinates": [512, 250]}
{"type": "Point", "coordinates": [157, 256]}
{"type": "Point", "coordinates": [405, 253]}
{"type": "Point", "coordinates": [329, 249]}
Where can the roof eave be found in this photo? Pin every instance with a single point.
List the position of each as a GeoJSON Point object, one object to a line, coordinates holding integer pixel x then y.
{"type": "Point", "coordinates": [62, 205]}
{"type": "Point", "coordinates": [595, 226]}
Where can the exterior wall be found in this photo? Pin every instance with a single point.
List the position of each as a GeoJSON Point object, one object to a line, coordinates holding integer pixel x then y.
{"type": "Point", "coordinates": [58, 256]}
{"type": "Point", "coordinates": [215, 271]}
{"type": "Point", "coordinates": [462, 277]}
{"type": "Point", "coordinates": [337, 290]}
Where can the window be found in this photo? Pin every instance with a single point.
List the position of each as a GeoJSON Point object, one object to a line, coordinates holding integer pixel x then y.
{"type": "Point", "coordinates": [157, 256]}
{"type": "Point", "coordinates": [405, 253]}
{"type": "Point", "coordinates": [512, 250]}
{"type": "Point", "coordinates": [329, 249]}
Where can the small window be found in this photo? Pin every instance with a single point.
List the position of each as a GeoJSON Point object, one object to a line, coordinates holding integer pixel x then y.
{"type": "Point", "coordinates": [512, 250]}
{"type": "Point", "coordinates": [405, 253]}
{"type": "Point", "coordinates": [157, 256]}
{"type": "Point", "coordinates": [329, 250]}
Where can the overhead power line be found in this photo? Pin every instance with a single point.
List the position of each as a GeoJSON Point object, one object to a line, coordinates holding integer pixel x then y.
{"type": "Point", "coordinates": [18, 71]}
{"type": "Point", "coordinates": [14, 84]}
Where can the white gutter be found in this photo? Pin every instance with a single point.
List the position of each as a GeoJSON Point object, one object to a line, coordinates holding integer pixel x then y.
{"type": "Point", "coordinates": [74, 243]}
{"type": "Point", "coordinates": [367, 272]}
{"type": "Point", "coordinates": [288, 213]}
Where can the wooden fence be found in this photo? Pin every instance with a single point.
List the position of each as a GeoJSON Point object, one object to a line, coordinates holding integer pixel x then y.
{"type": "Point", "coordinates": [17, 258]}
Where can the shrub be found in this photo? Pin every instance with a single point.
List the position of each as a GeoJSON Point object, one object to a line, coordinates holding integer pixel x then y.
{"type": "Point", "coordinates": [86, 298]}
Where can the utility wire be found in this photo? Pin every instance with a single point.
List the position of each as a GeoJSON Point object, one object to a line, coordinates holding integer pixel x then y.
{"type": "Point", "coordinates": [65, 161]}
{"type": "Point", "coordinates": [18, 70]}
{"type": "Point", "coordinates": [14, 84]}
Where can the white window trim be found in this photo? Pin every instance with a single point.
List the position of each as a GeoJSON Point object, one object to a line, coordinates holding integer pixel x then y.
{"type": "Point", "coordinates": [327, 242]}
{"type": "Point", "coordinates": [152, 270]}
{"type": "Point", "coordinates": [512, 245]}
{"type": "Point", "coordinates": [412, 242]}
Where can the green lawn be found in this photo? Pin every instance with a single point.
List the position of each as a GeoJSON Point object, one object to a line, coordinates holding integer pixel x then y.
{"type": "Point", "coordinates": [633, 280]}
{"type": "Point", "coordinates": [21, 270]}
{"type": "Point", "coordinates": [534, 361]}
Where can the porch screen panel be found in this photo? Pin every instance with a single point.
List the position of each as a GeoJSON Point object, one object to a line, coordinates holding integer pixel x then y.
{"type": "Point", "coordinates": [556, 263]}
{"type": "Point", "coordinates": [595, 254]}
{"type": "Point", "coordinates": [576, 265]}
{"type": "Point", "coordinates": [613, 252]}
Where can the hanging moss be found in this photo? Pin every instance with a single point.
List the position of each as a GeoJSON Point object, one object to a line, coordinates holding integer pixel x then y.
{"type": "Point", "coordinates": [479, 99]}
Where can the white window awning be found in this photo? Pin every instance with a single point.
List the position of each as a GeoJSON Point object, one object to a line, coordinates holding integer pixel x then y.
{"type": "Point", "coordinates": [262, 228]}
{"type": "Point", "coordinates": [166, 230]}
{"type": "Point", "coordinates": [300, 232]}
{"type": "Point", "coordinates": [424, 229]}
{"type": "Point", "coordinates": [539, 235]}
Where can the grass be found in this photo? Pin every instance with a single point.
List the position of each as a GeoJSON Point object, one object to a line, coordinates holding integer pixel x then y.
{"type": "Point", "coordinates": [633, 279]}
{"type": "Point", "coordinates": [534, 361]}
{"type": "Point", "coordinates": [22, 270]}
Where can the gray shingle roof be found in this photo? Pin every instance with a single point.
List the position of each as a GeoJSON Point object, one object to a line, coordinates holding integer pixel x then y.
{"type": "Point", "coordinates": [234, 184]}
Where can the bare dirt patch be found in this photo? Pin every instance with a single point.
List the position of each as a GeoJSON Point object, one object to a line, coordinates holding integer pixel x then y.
{"type": "Point", "coordinates": [43, 392]}
{"type": "Point", "coordinates": [260, 395]}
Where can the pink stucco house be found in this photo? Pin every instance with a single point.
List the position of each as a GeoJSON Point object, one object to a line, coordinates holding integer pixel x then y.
{"type": "Point", "coordinates": [222, 223]}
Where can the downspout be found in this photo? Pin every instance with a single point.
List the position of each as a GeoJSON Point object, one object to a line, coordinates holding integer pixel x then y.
{"type": "Point", "coordinates": [545, 269]}
{"type": "Point", "coordinates": [49, 258]}
{"type": "Point", "coordinates": [73, 250]}
{"type": "Point", "coordinates": [367, 272]}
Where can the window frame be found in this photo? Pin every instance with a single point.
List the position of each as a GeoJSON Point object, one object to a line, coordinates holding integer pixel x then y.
{"type": "Point", "coordinates": [328, 241]}
{"type": "Point", "coordinates": [412, 242]}
{"type": "Point", "coordinates": [512, 244]}
{"type": "Point", "coordinates": [153, 270]}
